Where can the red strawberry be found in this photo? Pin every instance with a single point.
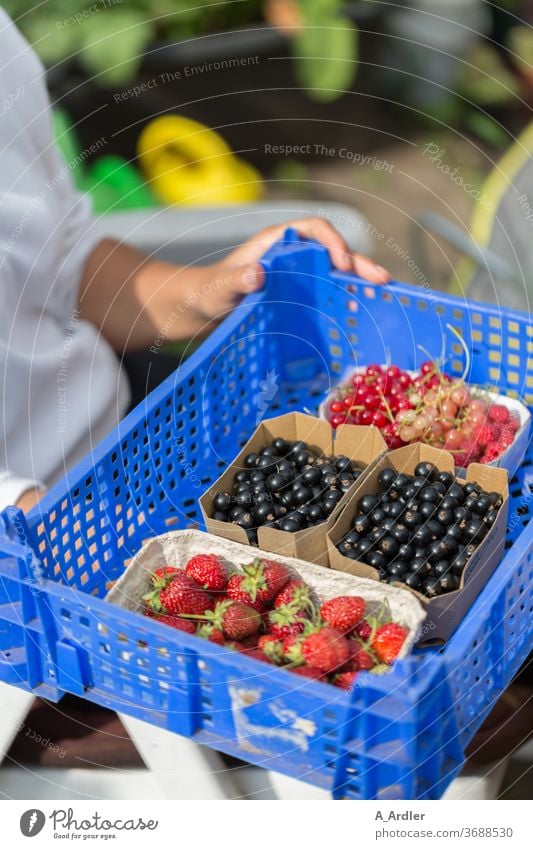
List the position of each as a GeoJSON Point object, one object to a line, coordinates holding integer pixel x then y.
{"type": "Point", "coordinates": [178, 594]}
{"type": "Point", "coordinates": [361, 659]}
{"type": "Point", "coordinates": [498, 413]}
{"type": "Point", "coordinates": [292, 649]}
{"type": "Point", "coordinates": [286, 620]}
{"type": "Point", "coordinates": [388, 640]}
{"type": "Point", "coordinates": [262, 580]}
{"type": "Point", "coordinates": [343, 612]}
{"type": "Point", "coordinates": [271, 646]}
{"type": "Point", "coordinates": [208, 571]}
{"type": "Point", "coordinates": [296, 592]}
{"type": "Point", "coordinates": [257, 654]}
{"type": "Point", "coordinates": [308, 671]}
{"type": "Point", "coordinates": [175, 622]}
{"type": "Point", "coordinates": [363, 630]}
{"type": "Point", "coordinates": [237, 592]}
{"type": "Point", "coordinates": [207, 631]}
{"type": "Point", "coordinates": [326, 649]}
{"type": "Point", "coordinates": [344, 680]}
{"type": "Point", "coordinates": [235, 619]}
{"type": "Point", "coordinates": [163, 572]}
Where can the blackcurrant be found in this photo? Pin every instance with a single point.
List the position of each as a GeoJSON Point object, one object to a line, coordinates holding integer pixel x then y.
{"type": "Point", "coordinates": [377, 516]}
{"type": "Point", "coordinates": [386, 477]}
{"type": "Point", "coordinates": [289, 525]}
{"type": "Point", "coordinates": [491, 517]}
{"type": "Point", "coordinates": [222, 501]}
{"type": "Point", "coordinates": [425, 470]}
{"type": "Point", "coordinates": [456, 491]}
{"type": "Point", "coordinates": [394, 510]}
{"type": "Point", "coordinates": [448, 582]}
{"type": "Point", "coordinates": [429, 493]}
{"type": "Point", "coordinates": [274, 482]}
{"type": "Point", "coordinates": [441, 567]}
{"type": "Point", "coordinates": [245, 521]}
{"type": "Point", "coordinates": [311, 476]}
{"type": "Point", "coordinates": [406, 551]}
{"type": "Point", "coordinates": [446, 478]}
{"type": "Point", "coordinates": [220, 516]}
{"type": "Point", "coordinates": [343, 464]}
{"type": "Point", "coordinates": [364, 545]}
{"type": "Point", "coordinates": [412, 580]}
{"type": "Point", "coordinates": [375, 559]}
{"type": "Point", "coordinates": [251, 460]}
{"type": "Point", "coordinates": [400, 533]}
{"type": "Point", "coordinates": [279, 445]}
{"type": "Point", "coordinates": [431, 587]}
{"type": "Point", "coordinates": [481, 505]}
{"type": "Point", "coordinates": [361, 524]}
{"type": "Point", "coordinates": [242, 476]}
{"type": "Point", "coordinates": [367, 503]}
{"type": "Point", "coordinates": [400, 482]}
{"type": "Point", "coordinates": [388, 547]}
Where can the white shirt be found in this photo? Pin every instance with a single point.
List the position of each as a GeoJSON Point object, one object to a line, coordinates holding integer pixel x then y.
{"type": "Point", "coordinates": [61, 385]}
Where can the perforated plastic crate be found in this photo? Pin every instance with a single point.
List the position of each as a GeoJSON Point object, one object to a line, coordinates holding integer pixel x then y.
{"type": "Point", "coordinates": [404, 735]}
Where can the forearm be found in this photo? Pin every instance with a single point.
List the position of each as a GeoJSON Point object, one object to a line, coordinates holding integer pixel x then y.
{"type": "Point", "coordinates": [132, 299]}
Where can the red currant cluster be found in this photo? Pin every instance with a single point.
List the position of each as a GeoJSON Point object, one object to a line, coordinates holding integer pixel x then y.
{"type": "Point", "coordinates": [429, 407]}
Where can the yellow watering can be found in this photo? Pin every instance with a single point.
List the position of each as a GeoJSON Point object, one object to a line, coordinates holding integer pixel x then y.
{"type": "Point", "coordinates": [186, 162]}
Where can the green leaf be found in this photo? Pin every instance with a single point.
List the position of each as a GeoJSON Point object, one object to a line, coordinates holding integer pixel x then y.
{"type": "Point", "coordinates": [326, 56]}
{"type": "Point", "coordinates": [113, 45]}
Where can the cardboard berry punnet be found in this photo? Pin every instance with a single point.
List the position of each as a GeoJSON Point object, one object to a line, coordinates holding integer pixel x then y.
{"type": "Point", "coordinates": [445, 612]}
{"type": "Point", "coordinates": [363, 445]}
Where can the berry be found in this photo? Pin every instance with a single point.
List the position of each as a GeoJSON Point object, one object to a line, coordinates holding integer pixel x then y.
{"type": "Point", "coordinates": [237, 592]}
{"type": "Point", "coordinates": [286, 620]}
{"type": "Point", "coordinates": [360, 658]}
{"type": "Point", "coordinates": [178, 594]}
{"type": "Point", "coordinates": [207, 631]}
{"type": "Point", "coordinates": [208, 571]}
{"type": "Point", "coordinates": [175, 622]}
{"type": "Point", "coordinates": [498, 413]}
{"type": "Point", "coordinates": [363, 630]}
{"type": "Point", "coordinates": [235, 619]}
{"type": "Point", "coordinates": [308, 672]}
{"type": "Point", "coordinates": [343, 612]}
{"type": "Point", "coordinates": [327, 649]}
{"type": "Point", "coordinates": [162, 573]}
{"type": "Point", "coordinates": [388, 641]}
{"type": "Point", "coordinates": [296, 592]}
{"type": "Point", "coordinates": [344, 680]}
{"type": "Point", "coordinates": [261, 581]}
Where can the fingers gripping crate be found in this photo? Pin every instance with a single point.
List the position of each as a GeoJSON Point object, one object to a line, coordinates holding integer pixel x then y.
{"type": "Point", "coordinates": [282, 350]}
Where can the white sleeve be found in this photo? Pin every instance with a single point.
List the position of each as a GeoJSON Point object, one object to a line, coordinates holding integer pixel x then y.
{"type": "Point", "coordinates": [12, 487]}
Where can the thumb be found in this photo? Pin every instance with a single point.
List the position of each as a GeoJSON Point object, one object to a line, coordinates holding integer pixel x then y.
{"type": "Point", "coordinates": [249, 278]}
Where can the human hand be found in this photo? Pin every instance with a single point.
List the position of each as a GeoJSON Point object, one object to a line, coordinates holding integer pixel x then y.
{"type": "Point", "coordinates": [240, 272]}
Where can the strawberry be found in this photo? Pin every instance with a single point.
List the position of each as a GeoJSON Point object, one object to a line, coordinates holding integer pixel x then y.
{"type": "Point", "coordinates": [308, 671]}
{"type": "Point", "coordinates": [163, 572]}
{"type": "Point", "coordinates": [208, 571]}
{"type": "Point", "coordinates": [296, 592]}
{"type": "Point", "coordinates": [360, 659]}
{"type": "Point", "coordinates": [292, 649]}
{"type": "Point", "coordinates": [178, 594]}
{"type": "Point", "coordinates": [344, 680]}
{"type": "Point", "coordinates": [498, 413]}
{"type": "Point", "coordinates": [388, 640]}
{"type": "Point", "coordinates": [271, 646]}
{"type": "Point", "coordinates": [207, 631]}
{"type": "Point", "coordinates": [175, 622]}
{"type": "Point", "coordinates": [326, 649]}
{"type": "Point", "coordinates": [257, 654]}
{"type": "Point", "coordinates": [286, 620]}
{"type": "Point", "coordinates": [343, 612]}
{"type": "Point", "coordinates": [261, 580]}
{"type": "Point", "coordinates": [237, 592]}
{"type": "Point", "coordinates": [235, 619]}
{"type": "Point", "coordinates": [363, 630]}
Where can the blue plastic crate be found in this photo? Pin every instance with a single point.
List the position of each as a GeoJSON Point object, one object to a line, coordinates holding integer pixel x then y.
{"type": "Point", "coordinates": [403, 735]}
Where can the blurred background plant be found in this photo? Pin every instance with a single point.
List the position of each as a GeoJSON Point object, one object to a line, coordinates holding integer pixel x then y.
{"type": "Point", "coordinates": [108, 37]}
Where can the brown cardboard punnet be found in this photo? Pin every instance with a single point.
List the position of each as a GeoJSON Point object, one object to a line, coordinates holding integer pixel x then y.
{"type": "Point", "coordinates": [446, 611]}
{"type": "Point", "coordinates": [363, 445]}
